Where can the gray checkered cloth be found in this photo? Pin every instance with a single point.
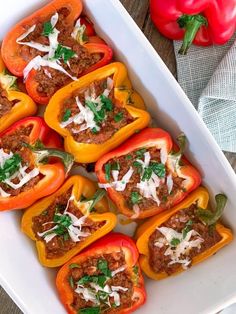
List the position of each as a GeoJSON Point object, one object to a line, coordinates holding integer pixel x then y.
{"type": "Point", "coordinates": [208, 76]}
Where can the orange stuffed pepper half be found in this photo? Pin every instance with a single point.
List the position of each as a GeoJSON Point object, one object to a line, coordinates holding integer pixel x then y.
{"type": "Point", "coordinates": [96, 113]}
{"type": "Point", "coordinates": [68, 221]}
{"type": "Point", "coordinates": [185, 235]}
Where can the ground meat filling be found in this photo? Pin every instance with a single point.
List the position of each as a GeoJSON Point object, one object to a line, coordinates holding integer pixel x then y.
{"type": "Point", "coordinates": [5, 104]}
{"type": "Point", "coordinates": [50, 80]}
{"type": "Point", "coordinates": [104, 281]}
{"type": "Point", "coordinates": [202, 237]}
{"type": "Point", "coordinates": [133, 190]}
{"type": "Point", "coordinates": [19, 164]}
{"type": "Point", "coordinates": [100, 123]}
{"type": "Point", "coordinates": [54, 226]}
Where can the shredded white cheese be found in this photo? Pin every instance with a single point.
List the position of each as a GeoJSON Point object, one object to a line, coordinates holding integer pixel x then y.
{"type": "Point", "coordinates": [169, 183]}
{"type": "Point", "coordinates": [117, 271]}
{"type": "Point", "coordinates": [78, 32]}
{"type": "Point", "coordinates": [74, 230]}
{"type": "Point", "coordinates": [163, 155]}
{"type": "Point", "coordinates": [182, 249]}
{"type": "Point", "coordinates": [121, 184]}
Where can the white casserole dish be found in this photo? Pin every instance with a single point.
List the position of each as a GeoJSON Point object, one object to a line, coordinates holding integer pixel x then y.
{"type": "Point", "coordinates": [206, 288]}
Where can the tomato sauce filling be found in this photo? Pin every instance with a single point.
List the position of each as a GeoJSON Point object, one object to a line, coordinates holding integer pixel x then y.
{"type": "Point", "coordinates": [55, 226]}
{"type": "Point", "coordinates": [19, 159]}
{"type": "Point", "coordinates": [168, 251]}
{"type": "Point", "coordinates": [5, 104]}
{"type": "Point", "coordinates": [50, 80]}
{"type": "Point", "coordinates": [101, 116]}
{"type": "Point", "coordinates": [103, 283]}
{"type": "Point", "coordinates": [129, 175]}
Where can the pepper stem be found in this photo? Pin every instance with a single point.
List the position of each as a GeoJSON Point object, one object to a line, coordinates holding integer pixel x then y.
{"type": "Point", "coordinates": [41, 153]}
{"type": "Point", "coordinates": [207, 216]}
{"type": "Point", "coordinates": [191, 24]}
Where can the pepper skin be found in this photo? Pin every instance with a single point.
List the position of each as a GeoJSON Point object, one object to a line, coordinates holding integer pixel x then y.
{"type": "Point", "coordinates": [200, 196]}
{"type": "Point", "coordinates": [108, 244]}
{"type": "Point", "coordinates": [203, 22]}
{"type": "Point", "coordinates": [23, 108]}
{"type": "Point", "coordinates": [32, 84]}
{"type": "Point", "coordinates": [53, 173]}
{"type": "Point", "coordinates": [84, 152]}
{"type": "Point", "coordinates": [11, 49]}
{"type": "Point", "coordinates": [149, 137]}
{"type": "Point", "coordinates": [80, 186]}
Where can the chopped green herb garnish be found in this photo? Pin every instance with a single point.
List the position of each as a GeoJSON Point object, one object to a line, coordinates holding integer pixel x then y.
{"type": "Point", "coordinates": [138, 165]}
{"type": "Point", "coordinates": [66, 115]}
{"type": "Point", "coordinates": [175, 241]}
{"type": "Point", "coordinates": [44, 213]}
{"type": "Point", "coordinates": [140, 153]}
{"type": "Point", "coordinates": [47, 28]}
{"type": "Point", "coordinates": [66, 237]}
{"type": "Point", "coordinates": [74, 265]}
{"type": "Point", "coordinates": [99, 116]}
{"type": "Point", "coordinates": [147, 174]}
{"type": "Point", "coordinates": [10, 166]}
{"type": "Point", "coordinates": [71, 282]}
{"type": "Point", "coordinates": [164, 198]}
{"type": "Point", "coordinates": [106, 102]}
{"type": "Point", "coordinates": [64, 53]}
{"type": "Point", "coordinates": [94, 130]}
{"type": "Point", "coordinates": [118, 117]}
{"type": "Point", "coordinates": [63, 220]}
{"type": "Point", "coordinates": [135, 198]}
{"type": "Point", "coordinates": [102, 265]}
{"type": "Point", "coordinates": [115, 166]}
{"type": "Point", "coordinates": [159, 169]}
{"type": "Point", "coordinates": [99, 280]}
{"type": "Point", "coordinates": [128, 157]}
{"type": "Point", "coordinates": [187, 228]}
{"type": "Point", "coordinates": [90, 310]}
{"type": "Point", "coordinates": [135, 270]}
{"type": "Point", "coordinates": [108, 172]}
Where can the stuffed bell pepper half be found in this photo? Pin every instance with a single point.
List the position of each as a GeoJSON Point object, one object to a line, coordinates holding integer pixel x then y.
{"type": "Point", "coordinates": [67, 221]}
{"type": "Point", "coordinates": [104, 278]}
{"type": "Point", "coordinates": [144, 176]}
{"type": "Point", "coordinates": [185, 235]}
{"type": "Point", "coordinates": [30, 163]}
{"type": "Point", "coordinates": [14, 105]}
{"type": "Point", "coordinates": [51, 47]}
{"type": "Point", "coordinates": [96, 113]}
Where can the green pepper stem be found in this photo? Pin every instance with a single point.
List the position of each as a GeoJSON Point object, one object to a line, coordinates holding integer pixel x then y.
{"type": "Point", "coordinates": [207, 216]}
{"type": "Point", "coordinates": [191, 24]}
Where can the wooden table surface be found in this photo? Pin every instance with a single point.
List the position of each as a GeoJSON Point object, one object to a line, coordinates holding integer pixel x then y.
{"type": "Point", "coordinates": [139, 10]}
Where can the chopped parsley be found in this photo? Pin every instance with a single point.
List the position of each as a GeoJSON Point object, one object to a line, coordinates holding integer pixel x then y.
{"type": "Point", "coordinates": [10, 166]}
{"type": "Point", "coordinates": [115, 166]}
{"type": "Point", "coordinates": [108, 172]}
{"type": "Point", "coordinates": [100, 115]}
{"type": "Point", "coordinates": [128, 157]}
{"type": "Point", "coordinates": [63, 52]}
{"type": "Point", "coordinates": [135, 270]}
{"type": "Point", "coordinates": [106, 102]}
{"type": "Point", "coordinates": [135, 198]}
{"type": "Point", "coordinates": [187, 228]}
{"type": "Point", "coordinates": [98, 280]}
{"type": "Point", "coordinates": [90, 310]}
{"type": "Point", "coordinates": [175, 241]}
{"type": "Point", "coordinates": [71, 282]}
{"type": "Point", "coordinates": [140, 153]}
{"type": "Point", "coordinates": [66, 115]}
{"type": "Point", "coordinates": [74, 265]}
{"type": "Point", "coordinates": [147, 173]}
{"type": "Point", "coordinates": [118, 117]}
{"type": "Point", "coordinates": [102, 265]}
{"type": "Point", "coordinates": [62, 223]}
{"type": "Point", "coordinates": [94, 130]}
{"type": "Point", "coordinates": [158, 168]}
{"type": "Point", "coordinates": [47, 28]}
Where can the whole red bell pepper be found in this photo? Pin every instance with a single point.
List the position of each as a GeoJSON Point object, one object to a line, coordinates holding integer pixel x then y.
{"type": "Point", "coordinates": [158, 179]}
{"type": "Point", "coordinates": [30, 146]}
{"type": "Point", "coordinates": [78, 273]}
{"type": "Point", "coordinates": [203, 22]}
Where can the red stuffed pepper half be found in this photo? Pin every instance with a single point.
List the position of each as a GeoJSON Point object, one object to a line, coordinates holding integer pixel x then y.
{"type": "Point", "coordinates": [104, 278]}
{"type": "Point", "coordinates": [144, 176]}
